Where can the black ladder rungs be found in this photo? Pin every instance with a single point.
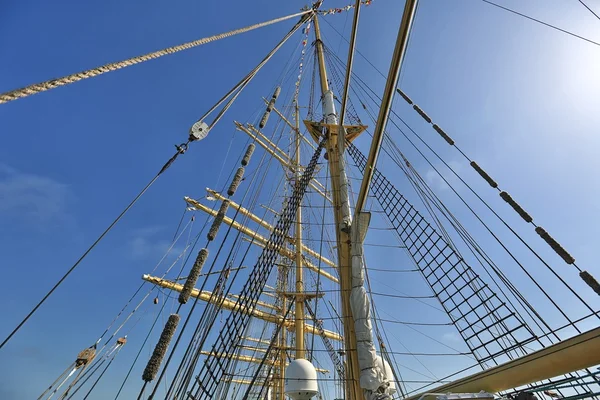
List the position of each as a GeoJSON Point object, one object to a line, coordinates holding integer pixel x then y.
{"type": "Point", "coordinates": [498, 337]}
{"type": "Point", "coordinates": [489, 326]}
{"type": "Point", "coordinates": [475, 292]}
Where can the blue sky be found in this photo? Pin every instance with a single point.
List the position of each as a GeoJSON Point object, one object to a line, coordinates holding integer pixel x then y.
{"type": "Point", "coordinates": [519, 98]}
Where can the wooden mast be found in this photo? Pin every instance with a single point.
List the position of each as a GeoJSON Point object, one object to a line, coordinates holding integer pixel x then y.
{"type": "Point", "coordinates": [300, 348]}
{"type": "Point", "coordinates": [279, 384]}
{"type": "Point", "coordinates": [353, 391]}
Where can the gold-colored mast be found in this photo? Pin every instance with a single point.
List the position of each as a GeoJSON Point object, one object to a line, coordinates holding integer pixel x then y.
{"type": "Point", "coordinates": [353, 391]}
{"type": "Point", "coordinates": [280, 393]}
{"type": "Point", "coordinates": [300, 349]}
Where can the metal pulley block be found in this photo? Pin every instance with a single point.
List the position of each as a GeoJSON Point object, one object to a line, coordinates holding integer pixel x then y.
{"type": "Point", "coordinates": [198, 131]}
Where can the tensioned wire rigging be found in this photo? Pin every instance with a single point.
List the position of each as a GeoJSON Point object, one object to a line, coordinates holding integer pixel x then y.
{"type": "Point", "coordinates": [194, 348]}
{"type": "Point", "coordinates": [588, 278]}
{"type": "Point", "coordinates": [318, 276]}
{"type": "Point", "coordinates": [214, 291]}
{"type": "Point", "coordinates": [370, 94]}
{"type": "Point", "coordinates": [181, 149]}
{"type": "Point", "coordinates": [213, 264]}
{"type": "Point", "coordinates": [146, 296]}
{"type": "Point", "coordinates": [87, 374]}
{"type": "Point", "coordinates": [212, 372]}
{"type": "Point", "coordinates": [198, 346]}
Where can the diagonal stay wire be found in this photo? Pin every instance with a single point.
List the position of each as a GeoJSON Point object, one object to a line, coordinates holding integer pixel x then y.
{"type": "Point", "coordinates": [65, 80]}
{"type": "Point", "coordinates": [589, 9]}
{"type": "Point", "coordinates": [542, 22]}
{"type": "Point", "coordinates": [267, 353]}
{"type": "Point", "coordinates": [180, 150]}
{"type": "Point", "coordinates": [140, 194]}
{"type": "Point", "coordinates": [141, 349]}
{"type": "Point", "coordinates": [164, 303]}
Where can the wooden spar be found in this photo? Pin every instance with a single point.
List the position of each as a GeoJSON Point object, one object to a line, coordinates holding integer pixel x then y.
{"type": "Point", "coordinates": [261, 303]}
{"type": "Point", "coordinates": [262, 341]}
{"type": "Point", "coordinates": [232, 305]}
{"type": "Point", "coordinates": [242, 381]}
{"type": "Point", "coordinates": [268, 226]}
{"type": "Point", "coordinates": [291, 126]}
{"type": "Point", "coordinates": [282, 158]}
{"type": "Point", "coordinates": [249, 359]}
{"type": "Point", "coordinates": [257, 238]}
{"type": "Point", "coordinates": [250, 348]}
{"type": "Point", "coordinates": [269, 209]}
{"type": "Point", "coordinates": [579, 352]}
{"type": "Point", "coordinates": [270, 143]}
{"type": "Point", "coordinates": [285, 161]}
{"type": "Point", "coordinates": [296, 166]}
{"type": "Point", "coordinates": [269, 294]}
{"type": "Point", "coordinates": [286, 253]}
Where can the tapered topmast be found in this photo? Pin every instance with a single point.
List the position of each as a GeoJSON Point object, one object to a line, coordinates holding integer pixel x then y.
{"type": "Point", "coordinates": [330, 129]}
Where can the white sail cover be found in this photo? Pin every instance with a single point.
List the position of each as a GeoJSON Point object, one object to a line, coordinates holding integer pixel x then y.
{"type": "Point", "coordinates": [372, 377]}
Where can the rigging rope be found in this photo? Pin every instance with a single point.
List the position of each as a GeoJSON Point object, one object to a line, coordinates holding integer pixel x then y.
{"type": "Point", "coordinates": [589, 9]}
{"type": "Point", "coordinates": [181, 149]}
{"type": "Point", "coordinates": [65, 80]}
{"type": "Point", "coordinates": [236, 180]}
{"type": "Point", "coordinates": [561, 251]}
{"type": "Point", "coordinates": [361, 82]}
{"type": "Point", "coordinates": [207, 320]}
{"type": "Point", "coordinates": [209, 315]}
{"type": "Point", "coordinates": [228, 338]}
{"type": "Point", "coordinates": [541, 22]}
{"type": "Point", "coordinates": [91, 371]}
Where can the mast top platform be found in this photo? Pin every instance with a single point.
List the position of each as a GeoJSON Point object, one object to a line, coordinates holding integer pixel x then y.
{"type": "Point", "coordinates": [316, 129]}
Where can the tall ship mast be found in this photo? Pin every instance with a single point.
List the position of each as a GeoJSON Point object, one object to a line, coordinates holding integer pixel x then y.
{"type": "Point", "coordinates": [319, 262]}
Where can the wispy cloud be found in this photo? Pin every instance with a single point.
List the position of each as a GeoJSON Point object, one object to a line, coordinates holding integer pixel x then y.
{"type": "Point", "coordinates": [435, 180]}
{"type": "Point", "coordinates": [32, 197]}
{"type": "Point", "coordinates": [450, 337]}
{"type": "Point", "coordinates": [149, 243]}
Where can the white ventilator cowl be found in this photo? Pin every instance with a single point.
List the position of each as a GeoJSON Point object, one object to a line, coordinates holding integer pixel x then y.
{"type": "Point", "coordinates": [301, 380]}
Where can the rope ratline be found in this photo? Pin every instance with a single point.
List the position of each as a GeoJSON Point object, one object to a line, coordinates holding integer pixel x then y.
{"type": "Point", "coordinates": [558, 249]}
{"type": "Point", "coordinates": [90, 73]}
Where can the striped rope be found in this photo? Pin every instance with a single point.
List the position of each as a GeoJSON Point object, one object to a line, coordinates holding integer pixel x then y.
{"type": "Point", "coordinates": [65, 80]}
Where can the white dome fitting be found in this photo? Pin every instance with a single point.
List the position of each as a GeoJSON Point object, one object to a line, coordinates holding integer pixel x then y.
{"type": "Point", "coordinates": [389, 375]}
{"type": "Point", "coordinates": [301, 380]}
